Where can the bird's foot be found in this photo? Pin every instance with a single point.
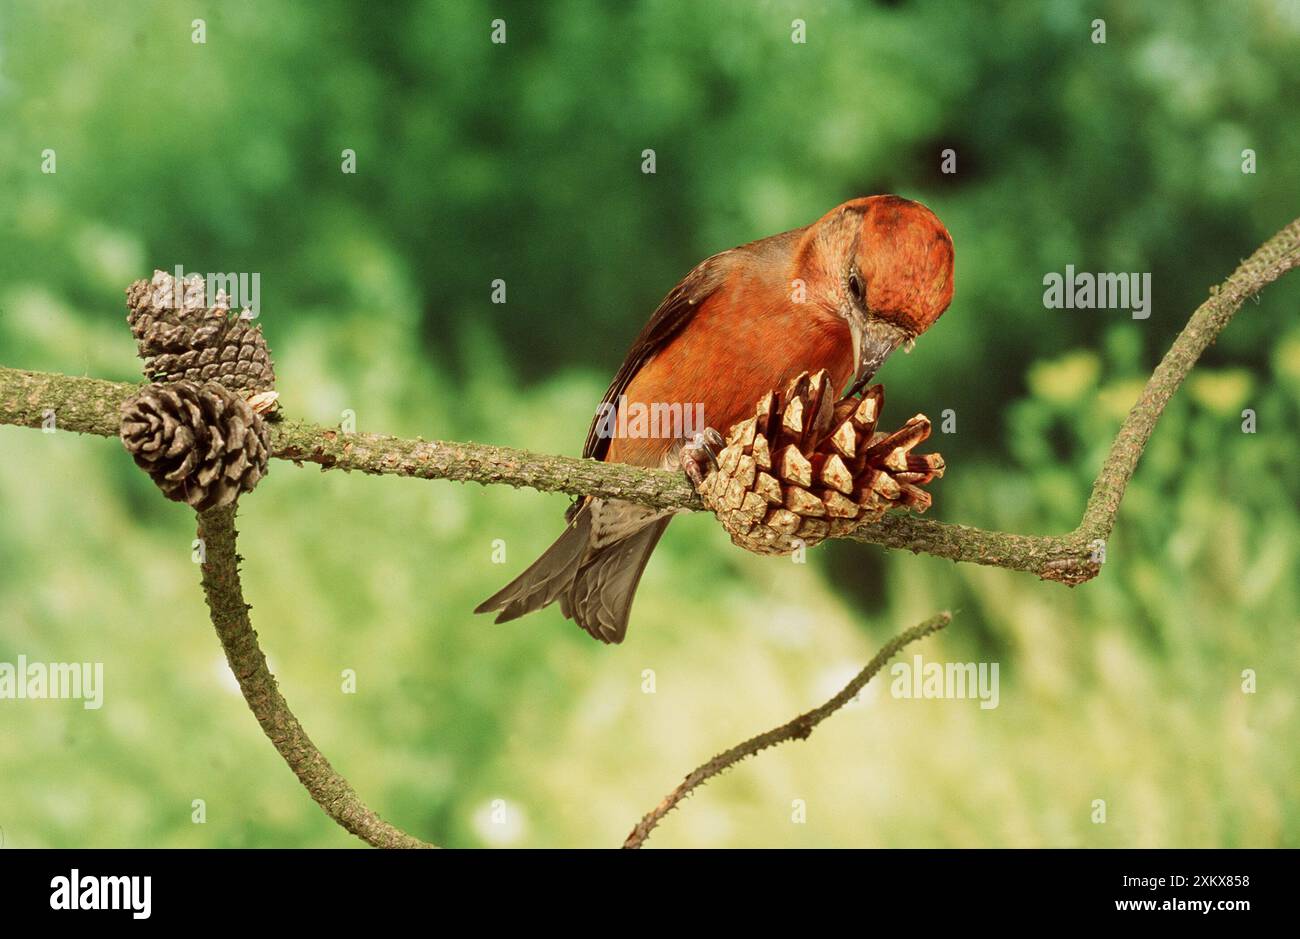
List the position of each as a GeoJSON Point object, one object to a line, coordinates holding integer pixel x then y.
{"type": "Point", "coordinates": [700, 454]}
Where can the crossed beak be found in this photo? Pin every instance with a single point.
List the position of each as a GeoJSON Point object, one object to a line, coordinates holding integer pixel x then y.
{"type": "Point", "coordinates": [873, 341]}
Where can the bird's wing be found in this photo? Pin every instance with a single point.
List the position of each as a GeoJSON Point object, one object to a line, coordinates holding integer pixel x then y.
{"type": "Point", "coordinates": [673, 313]}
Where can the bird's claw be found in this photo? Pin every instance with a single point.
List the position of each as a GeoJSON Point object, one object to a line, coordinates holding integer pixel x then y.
{"type": "Point", "coordinates": [700, 455]}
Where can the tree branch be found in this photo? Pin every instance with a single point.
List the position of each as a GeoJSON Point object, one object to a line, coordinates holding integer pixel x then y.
{"type": "Point", "coordinates": [225, 596]}
{"type": "Point", "coordinates": [800, 728]}
{"type": "Point", "coordinates": [1270, 261]}
{"type": "Point", "coordinates": [89, 405]}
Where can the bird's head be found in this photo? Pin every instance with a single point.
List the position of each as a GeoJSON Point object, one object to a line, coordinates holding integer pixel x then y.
{"type": "Point", "coordinates": [886, 269]}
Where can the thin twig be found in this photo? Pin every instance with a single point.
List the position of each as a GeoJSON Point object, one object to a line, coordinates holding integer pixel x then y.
{"type": "Point", "coordinates": [798, 729]}
{"type": "Point", "coordinates": [225, 596]}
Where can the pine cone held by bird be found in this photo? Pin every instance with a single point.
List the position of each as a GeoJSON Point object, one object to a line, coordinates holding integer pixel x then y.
{"type": "Point", "coordinates": [805, 468]}
{"type": "Point", "coordinates": [202, 444]}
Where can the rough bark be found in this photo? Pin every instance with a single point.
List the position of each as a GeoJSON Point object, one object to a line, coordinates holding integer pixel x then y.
{"type": "Point", "coordinates": [225, 596]}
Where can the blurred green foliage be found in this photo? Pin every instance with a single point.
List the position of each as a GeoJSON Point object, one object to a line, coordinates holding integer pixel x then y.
{"type": "Point", "coordinates": [523, 162]}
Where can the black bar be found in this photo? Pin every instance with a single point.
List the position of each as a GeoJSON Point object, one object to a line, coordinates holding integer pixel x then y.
{"type": "Point", "coordinates": [300, 888]}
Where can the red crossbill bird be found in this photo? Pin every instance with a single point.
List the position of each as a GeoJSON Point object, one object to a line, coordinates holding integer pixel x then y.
{"type": "Point", "coordinates": [840, 294]}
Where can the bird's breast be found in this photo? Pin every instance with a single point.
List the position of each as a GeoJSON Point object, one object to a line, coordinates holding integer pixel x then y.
{"type": "Point", "coordinates": [736, 348]}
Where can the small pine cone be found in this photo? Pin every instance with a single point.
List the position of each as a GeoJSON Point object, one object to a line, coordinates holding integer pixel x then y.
{"type": "Point", "coordinates": [180, 337]}
{"type": "Point", "coordinates": [806, 468]}
{"type": "Point", "coordinates": [202, 444]}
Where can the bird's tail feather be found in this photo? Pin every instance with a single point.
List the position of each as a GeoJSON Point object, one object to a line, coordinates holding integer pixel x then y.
{"type": "Point", "coordinates": [600, 598]}
{"type": "Point", "coordinates": [545, 578]}
{"type": "Point", "coordinates": [594, 587]}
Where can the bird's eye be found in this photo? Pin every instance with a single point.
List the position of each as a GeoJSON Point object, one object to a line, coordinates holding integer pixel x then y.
{"type": "Point", "coordinates": [855, 288]}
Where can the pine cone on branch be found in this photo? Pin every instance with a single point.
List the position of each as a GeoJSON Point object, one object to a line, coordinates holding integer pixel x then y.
{"type": "Point", "coordinates": [202, 444]}
{"type": "Point", "coordinates": [806, 468]}
{"type": "Point", "coordinates": [180, 337]}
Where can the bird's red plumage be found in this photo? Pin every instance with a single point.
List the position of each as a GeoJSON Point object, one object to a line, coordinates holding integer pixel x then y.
{"type": "Point", "coordinates": [746, 339]}
{"type": "Point", "coordinates": [742, 323]}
